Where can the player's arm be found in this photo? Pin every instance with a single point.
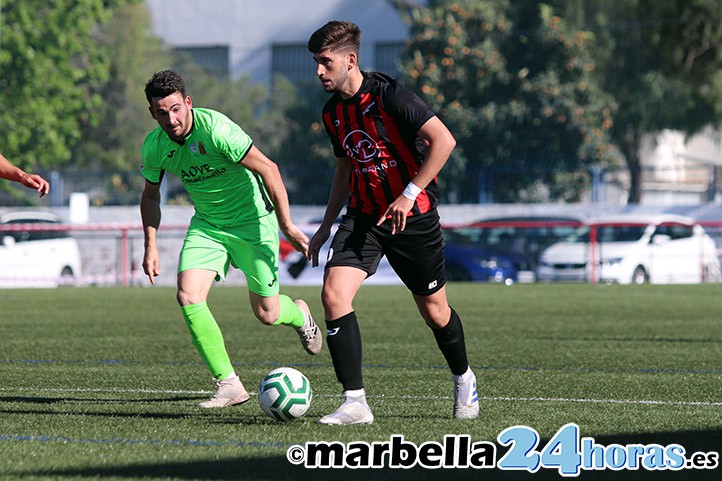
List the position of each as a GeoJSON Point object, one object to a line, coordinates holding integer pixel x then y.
{"type": "Point", "coordinates": [441, 144]}
{"type": "Point", "coordinates": [257, 162]}
{"type": "Point", "coordinates": [337, 199]}
{"type": "Point", "coordinates": [150, 214]}
{"type": "Point", "coordinates": [31, 181]}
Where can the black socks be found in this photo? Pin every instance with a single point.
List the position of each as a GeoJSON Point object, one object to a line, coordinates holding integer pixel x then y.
{"type": "Point", "coordinates": [343, 338]}
{"type": "Point", "coordinates": [344, 343]}
{"type": "Point", "coordinates": [450, 340]}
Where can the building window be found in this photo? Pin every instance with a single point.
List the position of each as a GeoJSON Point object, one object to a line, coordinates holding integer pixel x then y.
{"type": "Point", "coordinates": [388, 55]}
{"type": "Point", "coordinates": [212, 59]}
{"type": "Point", "coordinates": [293, 61]}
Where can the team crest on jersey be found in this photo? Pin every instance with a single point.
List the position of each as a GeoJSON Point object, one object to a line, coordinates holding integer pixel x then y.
{"type": "Point", "coordinates": [197, 148]}
{"type": "Point", "coordinates": [360, 146]}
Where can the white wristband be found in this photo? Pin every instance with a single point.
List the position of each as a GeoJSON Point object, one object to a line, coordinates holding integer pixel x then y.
{"type": "Point", "coordinates": [412, 191]}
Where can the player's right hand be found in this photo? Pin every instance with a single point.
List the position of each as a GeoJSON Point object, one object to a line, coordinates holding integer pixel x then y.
{"type": "Point", "coordinates": [151, 264]}
{"type": "Point", "coordinates": [317, 241]}
{"type": "Point", "coordinates": [296, 237]}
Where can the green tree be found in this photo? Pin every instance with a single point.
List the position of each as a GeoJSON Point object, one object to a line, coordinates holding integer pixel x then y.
{"type": "Point", "coordinates": [662, 62]}
{"type": "Point", "coordinates": [124, 118]}
{"type": "Point", "coordinates": [113, 141]}
{"type": "Point", "coordinates": [516, 86]}
{"type": "Point", "coordinates": [305, 154]}
{"type": "Point", "coordinates": [53, 68]}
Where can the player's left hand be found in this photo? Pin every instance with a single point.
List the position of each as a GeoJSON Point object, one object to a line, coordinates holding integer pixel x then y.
{"type": "Point", "coordinates": [397, 211]}
{"type": "Point", "coordinates": [296, 237]}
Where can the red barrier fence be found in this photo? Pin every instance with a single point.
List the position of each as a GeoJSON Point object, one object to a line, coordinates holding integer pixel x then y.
{"type": "Point", "coordinates": [111, 254]}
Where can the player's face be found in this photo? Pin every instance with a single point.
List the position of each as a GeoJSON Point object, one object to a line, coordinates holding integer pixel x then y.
{"type": "Point", "coordinates": [332, 68]}
{"type": "Point", "coordinates": [173, 114]}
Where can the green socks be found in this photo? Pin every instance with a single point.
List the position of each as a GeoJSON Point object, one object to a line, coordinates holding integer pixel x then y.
{"type": "Point", "coordinates": [290, 314]}
{"type": "Point", "coordinates": [208, 339]}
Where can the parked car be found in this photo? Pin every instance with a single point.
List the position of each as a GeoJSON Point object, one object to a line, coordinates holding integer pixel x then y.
{"type": "Point", "coordinates": [502, 249]}
{"type": "Point", "coordinates": [474, 263]}
{"type": "Point", "coordinates": [35, 257]}
{"type": "Point", "coordinates": [660, 249]}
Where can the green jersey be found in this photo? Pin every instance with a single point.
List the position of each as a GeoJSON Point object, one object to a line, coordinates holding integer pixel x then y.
{"type": "Point", "coordinates": [208, 162]}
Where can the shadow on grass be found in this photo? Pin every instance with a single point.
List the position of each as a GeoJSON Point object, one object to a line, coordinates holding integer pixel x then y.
{"type": "Point", "coordinates": [61, 400]}
{"type": "Point", "coordinates": [278, 468]}
{"type": "Point", "coordinates": [40, 404]}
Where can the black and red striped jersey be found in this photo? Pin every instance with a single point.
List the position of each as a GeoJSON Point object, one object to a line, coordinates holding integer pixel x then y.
{"type": "Point", "coordinates": [377, 130]}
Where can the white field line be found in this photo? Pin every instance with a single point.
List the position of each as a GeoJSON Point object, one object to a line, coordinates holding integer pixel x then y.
{"type": "Point", "coordinates": [484, 398]}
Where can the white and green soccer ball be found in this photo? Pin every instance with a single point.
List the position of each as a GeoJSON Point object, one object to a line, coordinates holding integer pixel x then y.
{"type": "Point", "coordinates": [285, 394]}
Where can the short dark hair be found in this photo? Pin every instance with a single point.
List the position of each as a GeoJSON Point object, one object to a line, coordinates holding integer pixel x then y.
{"type": "Point", "coordinates": [163, 84]}
{"type": "Point", "coordinates": [336, 35]}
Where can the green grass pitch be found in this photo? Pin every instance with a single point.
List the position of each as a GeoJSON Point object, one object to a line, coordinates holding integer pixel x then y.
{"type": "Point", "coordinates": [102, 383]}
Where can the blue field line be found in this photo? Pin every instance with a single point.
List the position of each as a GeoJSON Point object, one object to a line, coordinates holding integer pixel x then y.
{"type": "Point", "coordinates": [299, 365]}
{"type": "Point", "coordinates": [139, 442]}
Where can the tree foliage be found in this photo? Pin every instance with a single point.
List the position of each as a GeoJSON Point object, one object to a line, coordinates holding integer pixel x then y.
{"type": "Point", "coordinates": [53, 68]}
{"type": "Point", "coordinates": [516, 86]}
{"type": "Point", "coordinates": [529, 87]}
{"type": "Point", "coordinates": [72, 76]}
{"type": "Point", "coordinates": [661, 61]}
{"type": "Point", "coordinates": [535, 93]}
{"type": "Point", "coordinates": [304, 153]}
{"type": "Point", "coordinates": [113, 141]}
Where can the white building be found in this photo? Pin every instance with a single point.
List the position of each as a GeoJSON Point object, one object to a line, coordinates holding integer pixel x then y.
{"type": "Point", "coordinates": [260, 37]}
{"type": "Point", "coordinates": [679, 170]}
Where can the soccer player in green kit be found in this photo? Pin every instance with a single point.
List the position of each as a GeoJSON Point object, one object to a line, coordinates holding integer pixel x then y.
{"type": "Point", "coordinates": [240, 202]}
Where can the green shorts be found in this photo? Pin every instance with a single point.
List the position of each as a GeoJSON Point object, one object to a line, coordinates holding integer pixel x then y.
{"type": "Point", "coordinates": [251, 247]}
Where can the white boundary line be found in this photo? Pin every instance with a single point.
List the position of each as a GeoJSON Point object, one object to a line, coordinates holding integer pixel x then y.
{"type": "Point", "coordinates": [484, 398]}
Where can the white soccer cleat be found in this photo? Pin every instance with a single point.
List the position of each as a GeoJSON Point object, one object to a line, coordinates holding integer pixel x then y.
{"type": "Point", "coordinates": [229, 392]}
{"type": "Point", "coordinates": [310, 334]}
{"type": "Point", "coordinates": [466, 398]}
{"type": "Point", "coordinates": [352, 411]}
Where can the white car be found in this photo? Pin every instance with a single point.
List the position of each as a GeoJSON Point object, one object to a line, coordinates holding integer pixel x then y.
{"type": "Point", "coordinates": [35, 257]}
{"type": "Point", "coordinates": [633, 249]}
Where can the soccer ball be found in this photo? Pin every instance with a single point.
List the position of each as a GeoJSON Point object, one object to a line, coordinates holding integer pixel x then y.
{"type": "Point", "coordinates": [284, 394]}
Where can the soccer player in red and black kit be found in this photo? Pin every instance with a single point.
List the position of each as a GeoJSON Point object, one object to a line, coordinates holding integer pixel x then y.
{"type": "Point", "coordinates": [389, 146]}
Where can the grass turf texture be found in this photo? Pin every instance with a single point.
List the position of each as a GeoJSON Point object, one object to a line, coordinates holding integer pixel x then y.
{"type": "Point", "coordinates": [103, 383]}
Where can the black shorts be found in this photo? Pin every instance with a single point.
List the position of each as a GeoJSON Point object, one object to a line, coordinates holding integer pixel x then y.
{"type": "Point", "coordinates": [416, 254]}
